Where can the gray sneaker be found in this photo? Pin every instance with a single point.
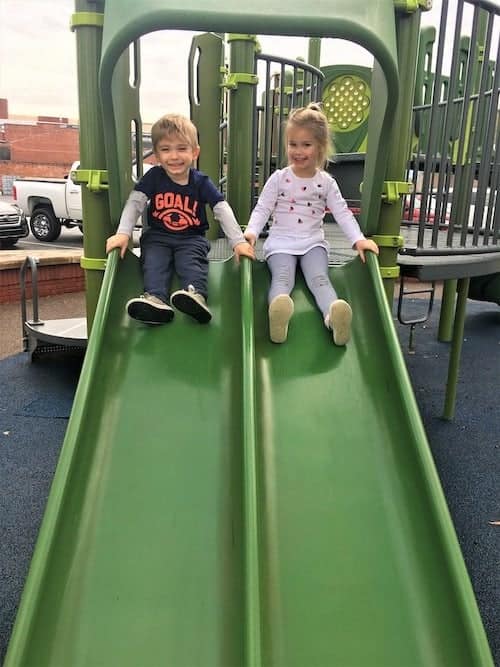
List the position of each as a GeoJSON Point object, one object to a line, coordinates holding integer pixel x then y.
{"type": "Point", "coordinates": [149, 309]}
{"type": "Point", "coordinates": [192, 303]}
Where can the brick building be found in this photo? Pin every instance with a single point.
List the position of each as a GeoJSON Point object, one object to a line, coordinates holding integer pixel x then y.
{"type": "Point", "coordinates": [41, 147]}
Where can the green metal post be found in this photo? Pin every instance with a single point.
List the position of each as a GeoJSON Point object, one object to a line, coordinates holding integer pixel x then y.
{"type": "Point", "coordinates": [314, 51]}
{"type": "Point", "coordinates": [445, 331]}
{"type": "Point", "coordinates": [241, 82]}
{"type": "Point", "coordinates": [87, 24]}
{"type": "Point", "coordinates": [456, 348]}
{"type": "Point", "coordinates": [253, 641]}
{"type": "Point", "coordinates": [407, 29]}
{"type": "Point", "coordinates": [205, 97]}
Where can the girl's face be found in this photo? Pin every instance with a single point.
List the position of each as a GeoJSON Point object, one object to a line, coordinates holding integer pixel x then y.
{"type": "Point", "coordinates": [302, 152]}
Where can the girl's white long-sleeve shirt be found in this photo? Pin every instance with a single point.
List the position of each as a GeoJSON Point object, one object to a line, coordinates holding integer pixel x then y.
{"type": "Point", "coordinates": [297, 207]}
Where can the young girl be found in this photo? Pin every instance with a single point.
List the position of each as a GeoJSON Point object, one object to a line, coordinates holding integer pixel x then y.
{"type": "Point", "coordinates": [297, 198]}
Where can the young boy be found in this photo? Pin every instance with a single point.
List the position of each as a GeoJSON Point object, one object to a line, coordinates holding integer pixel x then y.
{"type": "Point", "coordinates": [174, 240]}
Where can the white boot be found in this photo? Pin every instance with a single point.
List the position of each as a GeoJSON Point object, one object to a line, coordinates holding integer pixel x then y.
{"type": "Point", "coordinates": [280, 312]}
{"type": "Point", "coordinates": [339, 320]}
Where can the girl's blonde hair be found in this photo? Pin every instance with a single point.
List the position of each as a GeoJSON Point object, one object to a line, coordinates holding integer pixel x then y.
{"type": "Point", "coordinates": [313, 119]}
{"type": "Point", "coordinates": [174, 124]}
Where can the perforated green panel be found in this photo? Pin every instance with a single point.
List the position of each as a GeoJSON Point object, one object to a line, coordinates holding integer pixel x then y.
{"type": "Point", "coordinates": [347, 101]}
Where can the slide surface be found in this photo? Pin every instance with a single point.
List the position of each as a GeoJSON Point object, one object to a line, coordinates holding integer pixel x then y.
{"type": "Point", "coordinates": [143, 555]}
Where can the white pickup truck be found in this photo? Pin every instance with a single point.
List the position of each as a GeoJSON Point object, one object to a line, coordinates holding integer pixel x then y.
{"type": "Point", "coordinates": [50, 204]}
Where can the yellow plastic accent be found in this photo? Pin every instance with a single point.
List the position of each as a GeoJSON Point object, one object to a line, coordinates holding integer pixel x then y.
{"type": "Point", "coordinates": [410, 6]}
{"type": "Point", "coordinates": [389, 271]}
{"type": "Point", "coordinates": [238, 37]}
{"type": "Point", "coordinates": [393, 190]}
{"type": "Point", "coordinates": [89, 19]}
{"type": "Point", "coordinates": [95, 179]}
{"type": "Point", "coordinates": [387, 241]}
{"type": "Point", "coordinates": [93, 263]}
{"type": "Point", "coordinates": [233, 80]}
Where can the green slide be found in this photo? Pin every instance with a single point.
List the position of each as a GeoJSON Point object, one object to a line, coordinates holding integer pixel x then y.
{"type": "Point", "coordinates": [221, 501]}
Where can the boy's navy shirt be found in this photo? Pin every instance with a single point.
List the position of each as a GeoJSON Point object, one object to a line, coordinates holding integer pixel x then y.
{"type": "Point", "coordinates": [178, 209]}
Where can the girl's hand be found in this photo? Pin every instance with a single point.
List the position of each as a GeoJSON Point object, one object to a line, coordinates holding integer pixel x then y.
{"type": "Point", "coordinates": [251, 238]}
{"type": "Point", "coordinates": [243, 250]}
{"type": "Point", "coordinates": [118, 241]}
{"type": "Point", "coordinates": [365, 244]}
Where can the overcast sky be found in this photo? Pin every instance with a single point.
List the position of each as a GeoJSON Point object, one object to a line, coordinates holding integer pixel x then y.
{"type": "Point", "coordinates": [38, 60]}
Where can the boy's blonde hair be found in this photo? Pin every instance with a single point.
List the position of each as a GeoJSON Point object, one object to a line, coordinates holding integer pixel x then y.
{"type": "Point", "coordinates": [313, 119]}
{"type": "Point", "coordinates": [174, 124]}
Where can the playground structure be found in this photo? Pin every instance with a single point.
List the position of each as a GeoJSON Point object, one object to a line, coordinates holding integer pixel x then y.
{"type": "Point", "coordinates": [454, 166]}
{"type": "Point", "coordinates": [234, 528]}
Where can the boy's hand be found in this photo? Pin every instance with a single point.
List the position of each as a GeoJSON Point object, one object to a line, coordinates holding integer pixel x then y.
{"type": "Point", "coordinates": [243, 250]}
{"type": "Point", "coordinates": [251, 238]}
{"type": "Point", "coordinates": [365, 244]}
{"type": "Point", "coordinates": [118, 241]}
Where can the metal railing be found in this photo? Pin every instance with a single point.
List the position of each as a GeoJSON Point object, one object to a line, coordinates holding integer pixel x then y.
{"type": "Point", "coordinates": [283, 85]}
{"type": "Point", "coordinates": [32, 264]}
{"type": "Point", "coordinates": [455, 166]}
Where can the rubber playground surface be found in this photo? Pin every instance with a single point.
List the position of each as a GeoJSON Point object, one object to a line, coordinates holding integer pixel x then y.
{"type": "Point", "coordinates": [358, 504]}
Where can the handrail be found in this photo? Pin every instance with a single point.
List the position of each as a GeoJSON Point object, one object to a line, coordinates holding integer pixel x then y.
{"type": "Point", "coordinates": [30, 262]}
{"type": "Point", "coordinates": [453, 160]}
{"type": "Point", "coordinates": [305, 85]}
{"type": "Point", "coordinates": [253, 623]}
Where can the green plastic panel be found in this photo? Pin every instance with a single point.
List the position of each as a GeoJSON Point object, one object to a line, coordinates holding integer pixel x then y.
{"type": "Point", "coordinates": [370, 25]}
{"type": "Point", "coordinates": [374, 25]}
{"type": "Point", "coordinates": [360, 563]}
{"type": "Point", "coordinates": [346, 102]}
{"type": "Point", "coordinates": [142, 539]}
{"type": "Point", "coordinates": [143, 556]}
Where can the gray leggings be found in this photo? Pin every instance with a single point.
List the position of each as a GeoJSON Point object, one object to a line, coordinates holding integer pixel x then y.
{"type": "Point", "coordinates": [314, 265]}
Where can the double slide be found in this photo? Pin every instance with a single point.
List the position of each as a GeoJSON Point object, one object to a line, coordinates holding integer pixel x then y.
{"type": "Point", "coordinates": [221, 501]}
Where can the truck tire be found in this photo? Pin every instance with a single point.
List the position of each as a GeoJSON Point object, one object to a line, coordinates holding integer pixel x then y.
{"type": "Point", "coordinates": [44, 225]}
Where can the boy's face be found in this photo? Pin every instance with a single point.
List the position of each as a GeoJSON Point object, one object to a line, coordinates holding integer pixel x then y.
{"type": "Point", "coordinates": [176, 155]}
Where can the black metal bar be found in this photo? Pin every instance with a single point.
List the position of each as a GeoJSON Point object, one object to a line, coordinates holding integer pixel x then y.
{"type": "Point", "coordinates": [487, 146]}
{"type": "Point", "coordinates": [464, 173]}
{"type": "Point", "coordinates": [432, 131]}
{"type": "Point", "coordinates": [460, 113]}
{"type": "Point", "coordinates": [477, 155]}
{"type": "Point", "coordinates": [268, 125]}
{"type": "Point", "coordinates": [448, 111]}
{"type": "Point", "coordinates": [272, 112]}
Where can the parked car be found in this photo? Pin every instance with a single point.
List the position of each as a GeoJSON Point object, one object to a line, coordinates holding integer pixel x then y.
{"type": "Point", "coordinates": [13, 224]}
